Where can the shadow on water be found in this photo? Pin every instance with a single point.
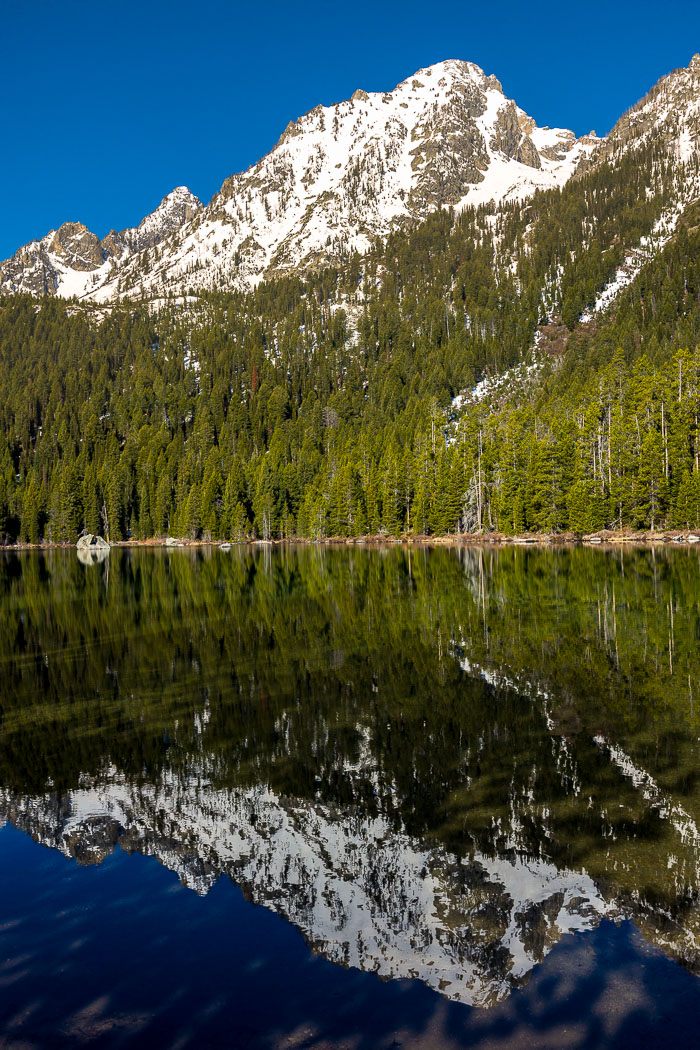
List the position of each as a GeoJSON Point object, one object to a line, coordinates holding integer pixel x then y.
{"type": "Point", "coordinates": [123, 955]}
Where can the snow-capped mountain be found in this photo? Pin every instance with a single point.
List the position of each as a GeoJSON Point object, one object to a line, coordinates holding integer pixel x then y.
{"type": "Point", "coordinates": [74, 261]}
{"type": "Point", "coordinates": [339, 177]}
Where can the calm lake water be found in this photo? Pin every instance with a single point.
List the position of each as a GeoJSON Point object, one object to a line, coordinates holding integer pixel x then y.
{"type": "Point", "coordinates": [354, 798]}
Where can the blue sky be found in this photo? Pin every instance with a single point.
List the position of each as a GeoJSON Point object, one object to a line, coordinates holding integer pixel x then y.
{"type": "Point", "coordinates": [108, 106]}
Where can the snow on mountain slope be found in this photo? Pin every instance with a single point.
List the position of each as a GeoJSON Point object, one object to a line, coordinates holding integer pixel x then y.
{"type": "Point", "coordinates": [72, 261]}
{"type": "Point", "coordinates": [649, 246]}
{"type": "Point", "coordinates": [339, 177]}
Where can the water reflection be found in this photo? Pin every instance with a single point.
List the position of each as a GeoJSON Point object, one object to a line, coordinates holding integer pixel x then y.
{"type": "Point", "coordinates": [434, 764]}
{"type": "Point", "coordinates": [92, 555]}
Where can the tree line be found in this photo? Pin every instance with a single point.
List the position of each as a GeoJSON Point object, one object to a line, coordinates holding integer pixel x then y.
{"type": "Point", "coordinates": [322, 405]}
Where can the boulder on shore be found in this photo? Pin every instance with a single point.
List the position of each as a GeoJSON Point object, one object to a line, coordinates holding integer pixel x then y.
{"type": "Point", "coordinates": [90, 542]}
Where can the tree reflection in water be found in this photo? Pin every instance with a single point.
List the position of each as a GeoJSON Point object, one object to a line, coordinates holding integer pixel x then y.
{"type": "Point", "coordinates": [434, 764]}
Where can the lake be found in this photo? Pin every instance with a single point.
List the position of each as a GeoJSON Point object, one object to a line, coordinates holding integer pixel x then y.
{"type": "Point", "coordinates": [317, 797]}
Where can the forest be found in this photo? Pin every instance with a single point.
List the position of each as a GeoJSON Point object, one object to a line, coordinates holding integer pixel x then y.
{"type": "Point", "coordinates": [323, 404]}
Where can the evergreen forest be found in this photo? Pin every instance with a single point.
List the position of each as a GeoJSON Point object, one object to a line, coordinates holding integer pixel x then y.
{"type": "Point", "coordinates": [336, 403]}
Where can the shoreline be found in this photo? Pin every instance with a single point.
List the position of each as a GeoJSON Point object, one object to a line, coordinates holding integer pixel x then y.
{"type": "Point", "coordinates": [605, 538]}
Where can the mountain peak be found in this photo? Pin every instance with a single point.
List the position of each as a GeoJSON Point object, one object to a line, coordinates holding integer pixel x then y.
{"type": "Point", "coordinates": [339, 177]}
{"type": "Point", "coordinates": [181, 194]}
{"type": "Point", "coordinates": [669, 112]}
{"type": "Point", "coordinates": [76, 246]}
{"type": "Point", "coordinates": [343, 174]}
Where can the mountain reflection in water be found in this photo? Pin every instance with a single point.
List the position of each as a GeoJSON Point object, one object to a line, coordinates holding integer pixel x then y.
{"type": "Point", "coordinates": [433, 763]}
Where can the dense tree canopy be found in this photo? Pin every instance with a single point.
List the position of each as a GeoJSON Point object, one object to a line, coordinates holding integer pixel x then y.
{"type": "Point", "coordinates": [322, 405]}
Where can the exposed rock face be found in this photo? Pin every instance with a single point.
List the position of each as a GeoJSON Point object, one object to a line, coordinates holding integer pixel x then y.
{"type": "Point", "coordinates": [30, 270]}
{"type": "Point", "coordinates": [76, 247]}
{"type": "Point", "coordinates": [339, 176]}
{"type": "Point", "coordinates": [511, 138]}
{"type": "Point", "coordinates": [670, 114]}
{"type": "Point", "coordinates": [451, 154]}
{"type": "Point", "coordinates": [178, 208]}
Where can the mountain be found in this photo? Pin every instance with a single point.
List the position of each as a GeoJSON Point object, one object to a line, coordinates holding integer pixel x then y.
{"type": "Point", "coordinates": [357, 398]}
{"type": "Point", "coordinates": [345, 175]}
{"type": "Point", "coordinates": [670, 112]}
{"type": "Point", "coordinates": [74, 261]}
{"type": "Point", "coordinates": [339, 177]}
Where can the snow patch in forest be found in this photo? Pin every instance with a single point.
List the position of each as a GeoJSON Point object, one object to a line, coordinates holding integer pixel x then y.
{"type": "Point", "coordinates": [515, 378]}
{"type": "Point", "coordinates": [649, 246]}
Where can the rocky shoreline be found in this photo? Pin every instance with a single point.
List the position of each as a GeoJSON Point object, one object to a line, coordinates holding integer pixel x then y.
{"type": "Point", "coordinates": [604, 538]}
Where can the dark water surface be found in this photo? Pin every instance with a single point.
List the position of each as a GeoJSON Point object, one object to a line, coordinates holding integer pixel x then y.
{"type": "Point", "coordinates": [350, 798]}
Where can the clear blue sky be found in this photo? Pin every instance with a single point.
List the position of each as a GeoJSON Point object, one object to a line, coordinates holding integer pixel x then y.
{"type": "Point", "coordinates": [109, 104]}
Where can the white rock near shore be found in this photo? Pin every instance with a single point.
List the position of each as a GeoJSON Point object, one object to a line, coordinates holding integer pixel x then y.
{"type": "Point", "coordinates": [90, 542]}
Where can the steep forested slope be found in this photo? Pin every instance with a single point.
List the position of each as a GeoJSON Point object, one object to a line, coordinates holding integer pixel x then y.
{"type": "Point", "coordinates": [327, 404]}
